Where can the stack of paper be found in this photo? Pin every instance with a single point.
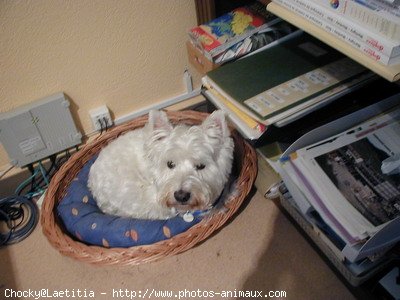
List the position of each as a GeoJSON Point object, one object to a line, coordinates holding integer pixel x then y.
{"type": "Point", "coordinates": [353, 179]}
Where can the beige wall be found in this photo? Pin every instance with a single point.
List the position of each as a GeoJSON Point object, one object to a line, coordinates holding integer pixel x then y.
{"type": "Point", "coordinates": [126, 54]}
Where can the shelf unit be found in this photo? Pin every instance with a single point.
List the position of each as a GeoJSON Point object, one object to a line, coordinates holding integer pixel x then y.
{"type": "Point", "coordinates": [391, 73]}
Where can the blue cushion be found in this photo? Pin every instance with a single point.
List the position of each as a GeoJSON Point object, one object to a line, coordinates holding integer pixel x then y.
{"type": "Point", "coordinates": [84, 220]}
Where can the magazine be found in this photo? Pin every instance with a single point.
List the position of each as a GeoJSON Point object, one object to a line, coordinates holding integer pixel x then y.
{"type": "Point", "coordinates": [353, 179]}
{"type": "Point", "coordinates": [218, 35]}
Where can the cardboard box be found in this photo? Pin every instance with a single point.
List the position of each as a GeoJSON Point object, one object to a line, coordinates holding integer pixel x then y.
{"type": "Point", "coordinates": [198, 60]}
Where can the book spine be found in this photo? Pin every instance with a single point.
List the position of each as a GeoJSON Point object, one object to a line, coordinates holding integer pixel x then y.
{"type": "Point", "coordinates": [355, 31]}
{"type": "Point", "coordinates": [318, 20]}
{"type": "Point", "coordinates": [382, 7]}
{"type": "Point", "coordinates": [378, 7]}
{"type": "Point", "coordinates": [374, 15]}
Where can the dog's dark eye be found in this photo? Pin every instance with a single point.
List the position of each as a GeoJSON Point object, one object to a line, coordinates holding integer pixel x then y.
{"type": "Point", "coordinates": [170, 164]}
{"type": "Point", "coordinates": [200, 167]}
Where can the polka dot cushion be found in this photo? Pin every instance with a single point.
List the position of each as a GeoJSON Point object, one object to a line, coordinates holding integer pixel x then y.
{"type": "Point", "coordinates": [84, 220]}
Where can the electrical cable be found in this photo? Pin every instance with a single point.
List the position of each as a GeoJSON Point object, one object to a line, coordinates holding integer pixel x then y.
{"type": "Point", "coordinates": [60, 161]}
{"type": "Point", "coordinates": [106, 123]}
{"type": "Point", "coordinates": [63, 159]}
{"type": "Point", "coordinates": [42, 182]}
{"type": "Point", "coordinates": [101, 126]}
{"type": "Point", "coordinates": [12, 210]}
{"type": "Point", "coordinates": [5, 237]}
{"type": "Point", "coordinates": [4, 172]}
{"type": "Point", "coordinates": [19, 213]}
{"type": "Point", "coordinates": [44, 175]}
{"type": "Point", "coordinates": [33, 181]}
{"type": "Point", "coordinates": [27, 181]}
{"type": "Point", "coordinates": [53, 160]}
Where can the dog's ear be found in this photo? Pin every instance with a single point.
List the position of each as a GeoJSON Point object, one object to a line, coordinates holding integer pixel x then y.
{"type": "Point", "coordinates": [158, 124]}
{"type": "Point", "coordinates": [158, 120]}
{"type": "Point", "coordinates": [215, 126]}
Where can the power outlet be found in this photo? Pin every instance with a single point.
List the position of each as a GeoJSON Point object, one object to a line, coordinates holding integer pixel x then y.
{"type": "Point", "coordinates": [101, 118]}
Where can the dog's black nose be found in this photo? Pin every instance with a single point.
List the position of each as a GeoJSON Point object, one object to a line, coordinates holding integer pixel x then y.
{"type": "Point", "coordinates": [182, 196]}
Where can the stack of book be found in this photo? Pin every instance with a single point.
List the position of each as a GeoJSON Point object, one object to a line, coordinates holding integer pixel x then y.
{"type": "Point", "coordinates": [369, 26]}
{"type": "Point", "coordinates": [238, 32]}
{"type": "Point", "coordinates": [344, 182]}
{"type": "Point", "coordinates": [291, 78]}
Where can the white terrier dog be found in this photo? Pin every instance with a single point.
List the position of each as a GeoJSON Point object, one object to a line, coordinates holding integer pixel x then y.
{"type": "Point", "coordinates": [159, 170]}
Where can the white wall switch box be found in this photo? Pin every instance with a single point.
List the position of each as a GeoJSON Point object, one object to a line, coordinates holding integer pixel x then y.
{"type": "Point", "coordinates": [101, 118]}
{"type": "Point", "coordinates": [37, 130]}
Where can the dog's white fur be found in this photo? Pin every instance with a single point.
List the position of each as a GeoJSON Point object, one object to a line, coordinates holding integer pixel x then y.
{"type": "Point", "coordinates": [159, 170]}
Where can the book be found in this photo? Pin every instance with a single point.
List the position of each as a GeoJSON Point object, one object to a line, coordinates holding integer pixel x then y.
{"type": "Point", "coordinates": [284, 79]}
{"type": "Point", "coordinates": [316, 16]}
{"type": "Point", "coordinates": [351, 30]}
{"type": "Point", "coordinates": [247, 127]}
{"type": "Point", "coordinates": [302, 132]}
{"type": "Point", "coordinates": [391, 1]}
{"type": "Point", "coordinates": [376, 15]}
{"type": "Point", "coordinates": [216, 36]}
{"type": "Point", "coordinates": [255, 131]}
{"type": "Point", "coordinates": [344, 180]}
{"type": "Point", "coordinates": [390, 73]}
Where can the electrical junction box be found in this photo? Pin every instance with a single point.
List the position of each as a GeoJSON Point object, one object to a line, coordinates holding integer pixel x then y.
{"type": "Point", "coordinates": [37, 130]}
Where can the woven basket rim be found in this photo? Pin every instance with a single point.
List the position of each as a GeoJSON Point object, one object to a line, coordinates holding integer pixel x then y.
{"type": "Point", "coordinates": [60, 239]}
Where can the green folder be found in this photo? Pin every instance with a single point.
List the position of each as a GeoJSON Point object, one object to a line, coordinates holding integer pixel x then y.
{"type": "Point", "coordinates": [283, 76]}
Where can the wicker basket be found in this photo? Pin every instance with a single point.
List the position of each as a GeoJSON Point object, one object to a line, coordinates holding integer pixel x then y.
{"type": "Point", "coordinates": [245, 163]}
